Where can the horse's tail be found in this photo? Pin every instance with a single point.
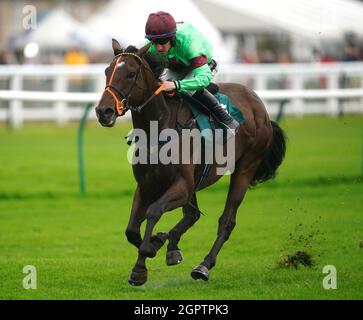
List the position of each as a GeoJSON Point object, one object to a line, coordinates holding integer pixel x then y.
{"type": "Point", "coordinates": [273, 157]}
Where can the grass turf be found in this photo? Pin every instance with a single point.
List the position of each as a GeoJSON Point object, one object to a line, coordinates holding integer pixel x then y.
{"type": "Point", "coordinates": [78, 245]}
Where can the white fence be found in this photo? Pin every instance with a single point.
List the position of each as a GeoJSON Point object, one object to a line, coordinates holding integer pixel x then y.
{"type": "Point", "coordinates": [342, 88]}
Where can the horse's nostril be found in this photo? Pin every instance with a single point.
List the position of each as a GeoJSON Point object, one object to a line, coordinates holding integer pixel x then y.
{"type": "Point", "coordinates": [108, 112]}
{"type": "Point", "coordinates": [104, 112]}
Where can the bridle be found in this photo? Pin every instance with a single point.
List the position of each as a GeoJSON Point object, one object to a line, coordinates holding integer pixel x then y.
{"type": "Point", "coordinates": [122, 105]}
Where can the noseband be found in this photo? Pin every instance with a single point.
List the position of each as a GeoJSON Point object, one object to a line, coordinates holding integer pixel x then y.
{"type": "Point", "coordinates": [122, 105]}
{"type": "Point", "coordinates": [121, 108]}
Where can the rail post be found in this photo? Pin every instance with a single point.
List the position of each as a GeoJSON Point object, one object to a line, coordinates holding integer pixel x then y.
{"type": "Point", "coordinates": [280, 112]}
{"type": "Point", "coordinates": [15, 111]}
{"type": "Point", "coordinates": [81, 172]}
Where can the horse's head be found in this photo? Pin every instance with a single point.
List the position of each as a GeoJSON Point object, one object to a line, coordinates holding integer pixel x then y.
{"type": "Point", "coordinates": [126, 83]}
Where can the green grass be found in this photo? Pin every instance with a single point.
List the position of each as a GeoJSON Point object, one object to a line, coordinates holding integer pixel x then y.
{"type": "Point", "coordinates": [78, 245]}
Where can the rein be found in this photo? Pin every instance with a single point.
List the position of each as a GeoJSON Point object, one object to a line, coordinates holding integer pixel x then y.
{"type": "Point", "coordinates": [122, 105]}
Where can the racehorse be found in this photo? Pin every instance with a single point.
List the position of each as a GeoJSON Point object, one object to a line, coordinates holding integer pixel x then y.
{"type": "Point", "coordinates": [132, 84]}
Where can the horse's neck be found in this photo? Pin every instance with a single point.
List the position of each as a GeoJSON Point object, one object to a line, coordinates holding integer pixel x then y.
{"type": "Point", "coordinates": [155, 110]}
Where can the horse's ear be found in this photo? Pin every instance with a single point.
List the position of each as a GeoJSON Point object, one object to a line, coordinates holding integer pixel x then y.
{"type": "Point", "coordinates": [144, 49]}
{"type": "Point", "coordinates": [116, 47]}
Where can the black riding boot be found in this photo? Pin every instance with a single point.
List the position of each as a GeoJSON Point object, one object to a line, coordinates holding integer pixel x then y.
{"type": "Point", "coordinates": [217, 111]}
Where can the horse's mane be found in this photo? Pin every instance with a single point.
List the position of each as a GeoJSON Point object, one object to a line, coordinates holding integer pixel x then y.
{"type": "Point", "coordinates": [156, 64]}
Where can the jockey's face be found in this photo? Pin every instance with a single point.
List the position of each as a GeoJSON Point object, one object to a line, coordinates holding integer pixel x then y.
{"type": "Point", "coordinates": [163, 48]}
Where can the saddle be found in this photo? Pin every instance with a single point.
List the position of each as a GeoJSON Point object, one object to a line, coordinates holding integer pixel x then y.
{"type": "Point", "coordinates": [202, 115]}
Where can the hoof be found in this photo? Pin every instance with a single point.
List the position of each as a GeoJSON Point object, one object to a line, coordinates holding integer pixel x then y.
{"type": "Point", "coordinates": [138, 278]}
{"type": "Point", "coordinates": [200, 272]}
{"type": "Point", "coordinates": [174, 257]}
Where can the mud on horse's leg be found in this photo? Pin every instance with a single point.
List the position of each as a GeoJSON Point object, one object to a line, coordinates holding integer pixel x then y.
{"type": "Point", "coordinates": [191, 214]}
{"type": "Point", "coordinates": [226, 223]}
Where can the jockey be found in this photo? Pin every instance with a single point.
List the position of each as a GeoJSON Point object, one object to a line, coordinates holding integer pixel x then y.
{"type": "Point", "coordinates": [187, 54]}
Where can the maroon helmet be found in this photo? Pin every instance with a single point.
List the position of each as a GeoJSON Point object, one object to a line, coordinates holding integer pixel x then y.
{"type": "Point", "coordinates": [160, 25]}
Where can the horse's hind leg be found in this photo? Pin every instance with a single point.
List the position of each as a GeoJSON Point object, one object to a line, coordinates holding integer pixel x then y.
{"type": "Point", "coordinates": [240, 181]}
{"type": "Point", "coordinates": [191, 215]}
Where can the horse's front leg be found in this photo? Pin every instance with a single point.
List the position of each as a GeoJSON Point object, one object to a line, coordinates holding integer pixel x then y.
{"type": "Point", "coordinates": [137, 216]}
{"type": "Point", "coordinates": [176, 196]}
{"type": "Point", "coordinates": [138, 213]}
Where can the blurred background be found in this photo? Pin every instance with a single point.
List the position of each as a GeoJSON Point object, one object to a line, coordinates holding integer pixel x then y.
{"type": "Point", "coordinates": [281, 45]}
{"type": "Point", "coordinates": [250, 31]}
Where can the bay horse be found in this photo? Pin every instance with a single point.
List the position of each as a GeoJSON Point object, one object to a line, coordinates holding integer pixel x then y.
{"type": "Point", "coordinates": [132, 78]}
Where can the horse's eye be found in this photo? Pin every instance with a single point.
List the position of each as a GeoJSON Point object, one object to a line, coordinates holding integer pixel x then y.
{"type": "Point", "coordinates": [131, 75]}
{"type": "Point", "coordinates": [106, 70]}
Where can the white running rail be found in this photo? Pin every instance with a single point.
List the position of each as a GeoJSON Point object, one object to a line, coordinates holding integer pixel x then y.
{"type": "Point", "coordinates": [15, 112]}
{"type": "Point", "coordinates": [257, 76]}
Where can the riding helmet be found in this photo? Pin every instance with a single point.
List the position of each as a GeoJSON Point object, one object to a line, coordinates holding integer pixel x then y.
{"type": "Point", "coordinates": [160, 25]}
